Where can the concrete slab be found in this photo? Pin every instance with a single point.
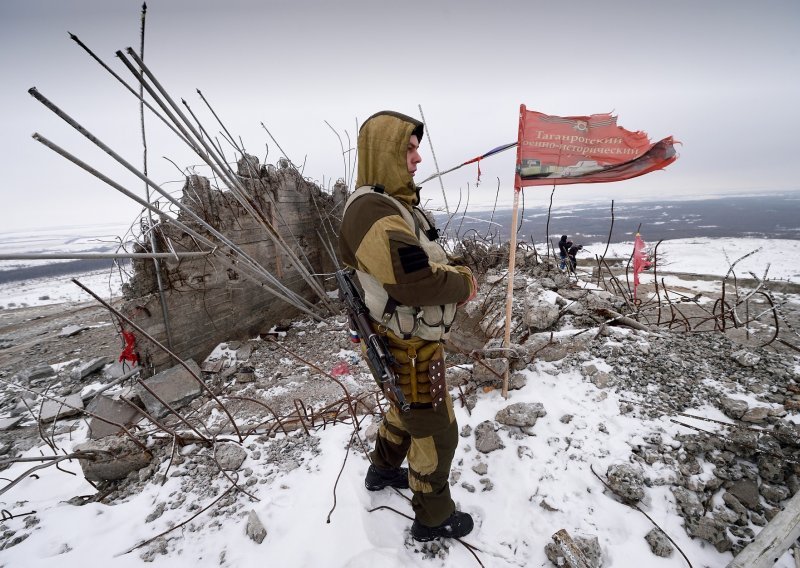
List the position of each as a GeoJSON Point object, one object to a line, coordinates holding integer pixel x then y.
{"type": "Point", "coordinates": [70, 330]}
{"type": "Point", "coordinates": [10, 423]}
{"type": "Point", "coordinates": [111, 409]}
{"type": "Point", "coordinates": [81, 371]}
{"type": "Point", "coordinates": [61, 408]}
{"type": "Point", "coordinates": [175, 386]}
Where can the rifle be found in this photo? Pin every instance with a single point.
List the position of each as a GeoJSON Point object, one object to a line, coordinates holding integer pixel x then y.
{"type": "Point", "coordinates": [379, 356]}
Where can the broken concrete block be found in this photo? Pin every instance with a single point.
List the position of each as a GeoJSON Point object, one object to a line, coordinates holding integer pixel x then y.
{"type": "Point", "coordinates": [81, 371]}
{"type": "Point", "coordinates": [489, 371]}
{"type": "Point", "coordinates": [175, 386]}
{"type": "Point", "coordinates": [255, 528]}
{"type": "Point", "coordinates": [124, 456]}
{"type": "Point", "coordinates": [10, 423]}
{"type": "Point", "coordinates": [113, 410]}
{"type": "Point", "coordinates": [36, 373]}
{"type": "Point", "coordinates": [61, 408]}
{"type": "Point", "coordinates": [230, 456]}
{"type": "Point", "coordinates": [244, 352]}
{"type": "Point", "coordinates": [70, 330]}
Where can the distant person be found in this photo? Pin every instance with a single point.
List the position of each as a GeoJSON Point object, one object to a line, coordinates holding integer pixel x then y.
{"type": "Point", "coordinates": [573, 262]}
{"type": "Point", "coordinates": [563, 248]}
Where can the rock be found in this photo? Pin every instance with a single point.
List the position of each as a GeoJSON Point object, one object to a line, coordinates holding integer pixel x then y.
{"type": "Point", "coordinates": [230, 456]}
{"type": "Point", "coordinates": [626, 481]}
{"type": "Point", "coordinates": [589, 546]}
{"type": "Point", "coordinates": [61, 408]}
{"type": "Point", "coordinates": [688, 502]}
{"type": "Point", "coordinates": [480, 468]}
{"type": "Point", "coordinates": [124, 456]}
{"type": "Point", "coordinates": [113, 410]}
{"type": "Point", "coordinates": [255, 528]}
{"type": "Point", "coordinates": [589, 369]}
{"type": "Point", "coordinates": [601, 380]}
{"type": "Point", "coordinates": [521, 414]}
{"type": "Point", "coordinates": [659, 543]}
{"type": "Point", "coordinates": [81, 371]}
{"type": "Point", "coordinates": [710, 530]}
{"type": "Point", "coordinates": [246, 375]}
{"type": "Point", "coordinates": [489, 371]}
{"type": "Point", "coordinates": [175, 386]}
{"type": "Point", "coordinates": [517, 381]}
{"type": "Point", "coordinates": [733, 408]}
{"type": "Point", "coordinates": [756, 414]}
{"type": "Point", "coordinates": [486, 438]}
{"type": "Point", "coordinates": [745, 358]}
{"type": "Point", "coordinates": [746, 491]}
{"type": "Point", "coordinates": [774, 493]}
{"type": "Point", "coordinates": [244, 352]}
{"type": "Point", "coordinates": [539, 314]}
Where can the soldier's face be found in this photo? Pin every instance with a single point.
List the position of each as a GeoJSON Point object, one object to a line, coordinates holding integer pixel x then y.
{"type": "Point", "coordinates": [412, 156]}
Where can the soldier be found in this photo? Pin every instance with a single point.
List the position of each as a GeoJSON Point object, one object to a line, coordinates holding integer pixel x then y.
{"type": "Point", "coordinates": [412, 293]}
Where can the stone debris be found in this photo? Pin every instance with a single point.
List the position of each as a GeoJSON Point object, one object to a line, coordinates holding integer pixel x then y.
{"type": "Point", "coordinates": [113, 409]}
{"type": "Point", "coordinates": [486, 438]}
{"type": "Point", "coordinates": [659, 543]}
{"type": "Point", "coordinates": [60, 408]}
{"type": "Point", "coordinates": [82, 371]}
{"type": "Point", "coordinates": [175, 386]}
{"type": "Point", "coordinates": [117, 458]}
{"type": "Point", "coordinates": [70, 330]}
{"type": "Point", "coordinates": [255, 528]}
{"type": "Point", "coordinates": [230, 456]}
{"type": "Point", "coordinates": [626, 481]}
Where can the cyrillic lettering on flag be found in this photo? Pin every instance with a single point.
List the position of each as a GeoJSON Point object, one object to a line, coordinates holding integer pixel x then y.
{"type": "Point", "coordinates": [584, 149]}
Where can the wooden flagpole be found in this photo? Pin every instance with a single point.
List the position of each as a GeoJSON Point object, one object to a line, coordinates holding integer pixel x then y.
{"type": "Point", "coordinates": [512, 251]}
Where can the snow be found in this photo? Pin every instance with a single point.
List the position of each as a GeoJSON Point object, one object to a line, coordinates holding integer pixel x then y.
{"type": "Point", "coordinates": [541, 483]}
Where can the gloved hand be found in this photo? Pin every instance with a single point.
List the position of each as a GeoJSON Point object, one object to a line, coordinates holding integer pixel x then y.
{"type": "Point", "coordinates": [473, 290]}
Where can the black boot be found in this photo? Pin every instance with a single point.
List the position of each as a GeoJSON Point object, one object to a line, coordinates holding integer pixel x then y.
{"type": "Point", "coordinates": [378, 478]}
{"type": "Point", "coordinates": [455, 526]}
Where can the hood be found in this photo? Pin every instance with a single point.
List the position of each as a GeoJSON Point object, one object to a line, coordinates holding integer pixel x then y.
{"type": "Point", "coordinates": [382, 150]}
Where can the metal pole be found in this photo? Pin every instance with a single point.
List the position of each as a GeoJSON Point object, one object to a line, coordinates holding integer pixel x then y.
{"type": "Point", "coordinates": [151, 233]}
{"type": "Point", "coordinates": [61, 114]}
{"type": "Point", "coordinates": [102, 255]}
{"type": "Point", "coordinates": [227, 257]}
{"type": "Point", "coordinates": [180, 361]}
{"type": "Point", "coordinates": [232, 181]}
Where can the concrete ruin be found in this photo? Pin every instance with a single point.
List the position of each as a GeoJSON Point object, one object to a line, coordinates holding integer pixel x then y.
{"type": "Point", "coordinates": [207, 301]}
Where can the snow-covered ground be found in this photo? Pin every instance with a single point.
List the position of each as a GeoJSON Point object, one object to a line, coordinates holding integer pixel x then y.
{"type": "Point", "coordinates": [540, 483]}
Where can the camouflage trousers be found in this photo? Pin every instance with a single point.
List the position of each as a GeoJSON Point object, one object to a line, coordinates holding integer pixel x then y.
{"type": "Point", "coordinates": [428, 437]}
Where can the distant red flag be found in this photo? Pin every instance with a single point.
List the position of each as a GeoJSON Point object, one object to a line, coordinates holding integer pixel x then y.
{"type": "Point", "coordinates": [640, 261]}
{"type": "Point", "coordinates": [584, 149]}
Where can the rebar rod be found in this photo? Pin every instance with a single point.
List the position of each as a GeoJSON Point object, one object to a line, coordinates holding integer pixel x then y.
{"type": "Point", "coordinates": [223, 172]}
{"type": "Point", "coordinates": [69, 120]}
{"type": "Point", "coordinates": [153, 243]}
{"type": "Point", "coordinates": [435, 162]}
{"type": "Point", "coordinates": [102, 255]}
{"type": "Point", "coordinates": [226, 257]}
{"type": "Point", "coordinates": [128, 87]}
{"type": "Point", "coordinates": [180, 361]}
{"type": "Point", "coordinates": [241, 150]}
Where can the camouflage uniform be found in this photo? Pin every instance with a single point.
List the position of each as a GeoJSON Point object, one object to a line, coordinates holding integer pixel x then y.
{"type": "Point", "coordinates": [412, 293]}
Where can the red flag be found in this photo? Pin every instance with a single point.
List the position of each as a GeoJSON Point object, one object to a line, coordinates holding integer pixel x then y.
{"type": "Point", "coordinates": [584, 149]}
{"type": "Point", "coordinates": [640, 261]}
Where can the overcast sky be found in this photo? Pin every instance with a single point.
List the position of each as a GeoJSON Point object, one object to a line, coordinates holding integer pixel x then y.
{"type": "Point", "coordinates": [722, 77]}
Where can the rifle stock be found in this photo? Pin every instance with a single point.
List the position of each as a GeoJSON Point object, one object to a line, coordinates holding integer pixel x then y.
{"type": "Point", "coordinates": [379, 356]}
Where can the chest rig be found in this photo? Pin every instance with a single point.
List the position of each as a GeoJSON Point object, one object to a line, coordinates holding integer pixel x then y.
{"type": "Point", "coordinates": [431, 323]}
